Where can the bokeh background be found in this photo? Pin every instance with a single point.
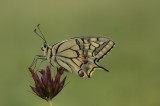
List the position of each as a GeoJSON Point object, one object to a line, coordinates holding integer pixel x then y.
{"type": "Point", "coordinates": [134, 25]}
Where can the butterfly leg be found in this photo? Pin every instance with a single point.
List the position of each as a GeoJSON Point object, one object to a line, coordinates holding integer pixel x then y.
{"type": "Point", "coordinates": [36, 58]}
{"type": "Point", "coordinates": [39, 65]}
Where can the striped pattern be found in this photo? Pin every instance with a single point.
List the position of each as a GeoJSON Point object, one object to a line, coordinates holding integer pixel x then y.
{"type": "Point", "coordinates": [81, 54]}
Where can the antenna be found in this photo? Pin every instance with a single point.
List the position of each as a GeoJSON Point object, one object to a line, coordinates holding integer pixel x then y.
{"type": "Point", "coordinates": [41, 34]}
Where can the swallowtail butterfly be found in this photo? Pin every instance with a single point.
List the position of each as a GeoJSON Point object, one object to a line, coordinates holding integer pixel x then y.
{"type": "Point", "coordinates": [80, 54]}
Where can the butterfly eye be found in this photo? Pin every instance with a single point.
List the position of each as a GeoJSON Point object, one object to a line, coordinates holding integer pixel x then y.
{"type": "Point", "coordinates": [81, 73]}
{"type": "Point", "coordinates": [44, 45]}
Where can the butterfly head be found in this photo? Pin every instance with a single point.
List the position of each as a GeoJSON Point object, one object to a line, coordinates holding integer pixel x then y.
{"type": "Point", "coordinates": [46, 48]}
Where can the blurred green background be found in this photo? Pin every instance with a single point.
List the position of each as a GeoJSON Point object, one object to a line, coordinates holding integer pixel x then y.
{"type": "Point", "coordinates": [134, 25]}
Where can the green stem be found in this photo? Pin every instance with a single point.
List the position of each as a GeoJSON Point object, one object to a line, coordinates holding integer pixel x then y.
{"type": "Point", "coordinates": [50, 103]}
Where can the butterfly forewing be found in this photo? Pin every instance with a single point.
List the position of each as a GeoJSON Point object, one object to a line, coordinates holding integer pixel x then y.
{"type": "Point", "coordinates": [82, 54]}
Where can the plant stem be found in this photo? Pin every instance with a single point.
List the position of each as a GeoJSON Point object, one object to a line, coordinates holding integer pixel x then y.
{"type": "Point", "coordinates": [50, 103]}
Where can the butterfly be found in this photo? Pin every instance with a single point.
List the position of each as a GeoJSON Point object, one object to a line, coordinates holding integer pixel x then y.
{"type": "Point", "coordinates": [80, 54]}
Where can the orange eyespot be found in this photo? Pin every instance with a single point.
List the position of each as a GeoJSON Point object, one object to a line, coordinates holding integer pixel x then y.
{"type": "Point", "coordinates": [84, 59]}
{"type": "Point", "coordinates": [81, 73]}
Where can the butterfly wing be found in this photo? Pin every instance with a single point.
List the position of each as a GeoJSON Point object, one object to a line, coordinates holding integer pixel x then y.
{"type": "Point", "coordinates": [82, 54]}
